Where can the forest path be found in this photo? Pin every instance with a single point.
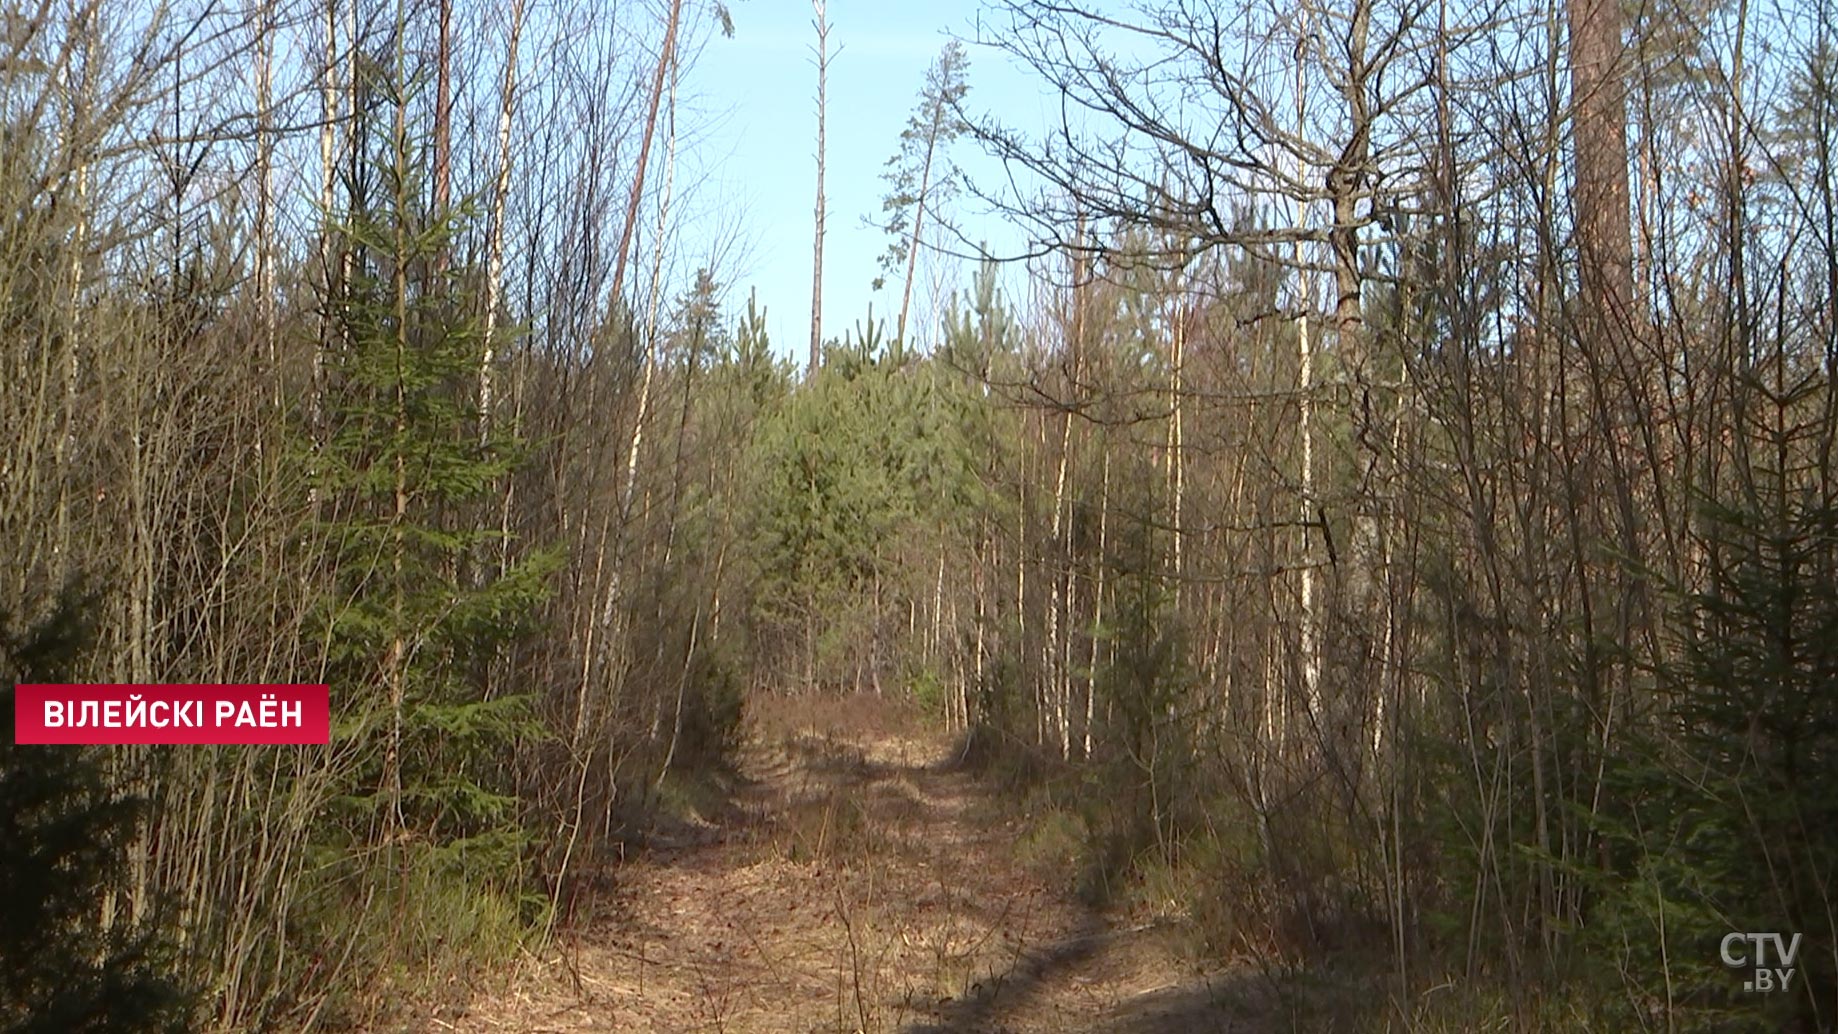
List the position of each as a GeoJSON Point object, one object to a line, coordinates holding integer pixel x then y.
{"type": "Point", "coordinates": [863, 882]}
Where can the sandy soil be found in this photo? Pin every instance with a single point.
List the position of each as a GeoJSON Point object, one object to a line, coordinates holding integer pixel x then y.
{"type": "Point", "coordinates": [862, 883]}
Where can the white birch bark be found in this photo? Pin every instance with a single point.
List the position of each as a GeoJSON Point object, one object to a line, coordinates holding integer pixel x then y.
{"type": "Point", "coordinates": [500, 191]}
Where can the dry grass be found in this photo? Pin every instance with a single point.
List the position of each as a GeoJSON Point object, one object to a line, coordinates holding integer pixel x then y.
{"type": "Point", "coordinates": [865, 886]}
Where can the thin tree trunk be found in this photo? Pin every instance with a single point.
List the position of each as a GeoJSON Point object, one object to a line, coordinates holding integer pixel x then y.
{"type": "Point", "coordinates": [443, 119]}
{"type": "Point", "coordinates": [612, 540]}
{"type": "Point", "coordinates": [264, 201]}
{"type": "Point", "coordinates": [500, 191]}
{"type": "Point", "coordinates": [651, 316]}
{"type": "Point", "coordinates": [77, 151]}
{"type": "Point", "coordinates": [1021, 565]}
{"type": "Point", "coordinates": [912, 248]}
{"type": "Point", "coordinates": [1735, 204]}
{"type": "Point", "coordinates": [954, 718]}
{"type": "Point", "coordinates": [938, 597]}
{"type": "Point", "coordinates": [665, 59]}
{"type": "Point", "coordinates": [330, 254]}
{"type": "Point", "coordinates": [823, 68]}
{"type": "Point", "coordinates": [1305, 406]}
{"type": "Point", "coordinates": [1176, 465]}
{"type": "Point", "coordinates": [1097, 605]}
{"type": "Point", "coordinates": [985, 546]}
{"type": "Point", "coordinates": [397, 662]}
{"type": "Point", "coordinates": [1056, 675]}
{"type": "Point", "coordinates": [682, 687]}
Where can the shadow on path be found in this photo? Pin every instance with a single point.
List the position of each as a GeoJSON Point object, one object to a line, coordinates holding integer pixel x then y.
{"type": "Point", "coordinates": [858, 879]}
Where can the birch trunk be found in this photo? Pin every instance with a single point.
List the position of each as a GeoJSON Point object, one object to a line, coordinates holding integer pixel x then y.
{"type": "Point", "coordinates": [500, 192]}
{"type": "Point", "coordinates": [1305, 406]}
{"type": "Point", "coordinates": [1055, 673]}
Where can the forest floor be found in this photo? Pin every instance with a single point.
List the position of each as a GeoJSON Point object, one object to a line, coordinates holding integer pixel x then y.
{"type": "Point", "coordinates": [858, 880]}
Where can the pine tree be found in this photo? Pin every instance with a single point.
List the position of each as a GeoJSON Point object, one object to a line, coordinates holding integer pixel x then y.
{"type": "Point", "coordinates": [913, 177]}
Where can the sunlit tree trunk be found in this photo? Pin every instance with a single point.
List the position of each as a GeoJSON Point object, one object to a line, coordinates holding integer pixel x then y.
{"type": "Point", "coordinates": [666, 58]}
{"type": "Point", "coordinates": [1305, 412]}
{"type": "Point", "coordinates": [500, 193]}
{"type": "Point", "coordinates": [912, 247]}
{"type": "Point", "coordinates": [1598, 91]}
{"type": "Point", "coordinates": [822, 25]}
{"type": "Point", "coordinates": [264, 173]}
{"type": "Point", "coordinates": [73, 151]}
{"type": "Point", "coordinates": [1097, 598]}
{"type": "Point", "coordinates": [443, 113]}
{"type": "Point", "coordinates": [1177, 470]}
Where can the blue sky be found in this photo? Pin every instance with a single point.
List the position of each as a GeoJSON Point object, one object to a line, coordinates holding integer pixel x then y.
{"type": "Point", "coordinates": [753, 97]}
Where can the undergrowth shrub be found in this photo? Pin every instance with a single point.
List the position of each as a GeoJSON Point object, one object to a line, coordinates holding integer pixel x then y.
{"type": "Point", "coordinates": [70, 964]}
{"type": "Point", "coordinates": [1724, 811]}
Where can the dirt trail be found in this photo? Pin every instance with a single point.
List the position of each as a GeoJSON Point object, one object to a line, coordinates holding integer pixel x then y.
{"type": "Point", "coordinates": [863, 883]}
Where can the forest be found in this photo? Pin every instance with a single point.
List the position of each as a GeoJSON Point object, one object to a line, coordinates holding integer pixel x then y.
{"type": "Point", "coordinates": [1368, 562]}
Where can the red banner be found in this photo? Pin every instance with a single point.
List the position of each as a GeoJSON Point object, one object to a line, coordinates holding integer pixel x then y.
{"type": "Point", "coordinates": [203, 714]}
